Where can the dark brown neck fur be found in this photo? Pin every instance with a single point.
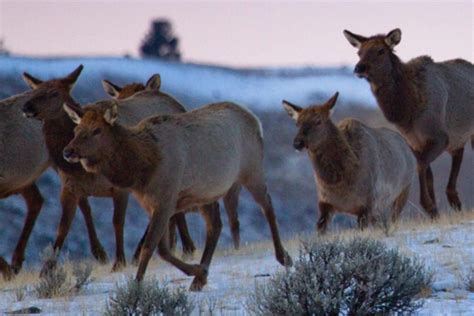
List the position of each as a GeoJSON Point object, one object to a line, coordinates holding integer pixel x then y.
{"type": "Point", "coordinates": [58, 133]}
{"type": "Point", "coordinates": [398, 93]}
{"type": "Point", "coordinates": [133, 159]}
{"type": "Point", "coordinates": [334, 159]}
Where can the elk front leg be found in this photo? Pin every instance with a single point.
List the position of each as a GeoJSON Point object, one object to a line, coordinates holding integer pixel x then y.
{"type": "Point", "coordinates": [69, 204]}
{"type": "Point", "coordinates": [161, 212]}
{"type": "Point", "coordinates": [96, 247]}
{"type": "Point", "coordinates": [212, 217]}
{"type": "Point", "coordinates": [120, 199]}
{"type": "Point", "coordinates": [451, 192]}
{"type": "Point", "coordinates": [325, 214]}
{"type": "Point", "coordinates": [34, 202]}
{"type": "Point", "coordinates": [186, 240]}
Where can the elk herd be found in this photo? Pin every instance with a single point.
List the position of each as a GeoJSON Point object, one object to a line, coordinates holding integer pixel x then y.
{"type": "Point", "coordinates": [143, 142]}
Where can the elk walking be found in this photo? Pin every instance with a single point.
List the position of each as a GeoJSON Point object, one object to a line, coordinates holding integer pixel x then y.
{"type": "Point", "coordinates": [358, 170]}
{"type": "Point", "coordinates": [77, 184]}
{"type": "Point", "coordinates": [174, 162]}
{"type": "Point", "coordinates": [430, 103]}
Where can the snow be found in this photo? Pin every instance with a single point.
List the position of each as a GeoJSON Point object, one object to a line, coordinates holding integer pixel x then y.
{"type": "Point", "coordinates": [446, 249]}
{"type": "Point", "coordinates": [256, 88]}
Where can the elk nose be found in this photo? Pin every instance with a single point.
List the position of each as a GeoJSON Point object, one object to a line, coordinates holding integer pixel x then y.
{"type": "Point", "coordinates": [298, 144]}
{"type": "Point", "coordinates": [68, 154]}
{"type": "Point", "coordinates": [360, 68]}
{"type": "Point", "coordinates": [28, 109]}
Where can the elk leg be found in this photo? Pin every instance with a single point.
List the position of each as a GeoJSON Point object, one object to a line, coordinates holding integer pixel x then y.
{"type": "Point", "coordinates": [96, 247]}
{"type": "Point", "coordinates": [325, 214]}
{"type": "Point", "coordinates": [157, 228]}
{"type": "Point", "coordinates": [136, 255]}
{"type": "Point", "coordinates": [120, 200]}
{"type": "Point", "coordinates": [173, 239]}
{"type": "Point", "coordinates": [231, 202]}
{"type": "Point", "coordinates": [451, 192]}
{"type": "Point", "coordinates": [186, 240]}
{"type": "Point", "coordinates": [213, 221]}
{"type": "Point", "coordinates": [400, 203]}
{"type": "Point", "coordinates": [5, 270]}
{"type": "Point", "coordinates": [258, 189]}
{"type": "Point", "coordinates": [34, 202]}
{"type": "Point", "coordinates": [430, 181]}
{"type": "Point", "coordinates": [425, 198]}
{"type": "Point", "coordinates": [69, 204]}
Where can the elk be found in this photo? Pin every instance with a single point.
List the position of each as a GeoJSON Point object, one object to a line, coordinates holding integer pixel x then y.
{"type": "Point", "coordinates": [173, 163]}
{"type": "Point", "coordinates": [230, 201]}
{"type": "Point", "coordinates": [430, 103]}
{"type": "Point", "coordinates": [24, 159]}
{"type": "Point", "coordinates": [358, 170]}
{"type": "Point", "coordinates": [58, 129]}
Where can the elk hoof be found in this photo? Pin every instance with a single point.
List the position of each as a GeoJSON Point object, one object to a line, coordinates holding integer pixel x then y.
{"type": "Point", "coordinates": [119, 265]}
{"type": "Point", "coordinates": [434, 214]}
{"type": "Point", "coordinates": [285, 259]}
{"type": "Point", "coordinates": [453, 200]}
{"type": "Point", "coordinates": [48, 267]}
{"type": "Point", "coordinates": [16, 266]}
{"type": "Point", "coordinates": [236, 242]}
{"type": "Point", "coordinates": [6, 271]}
{"type": "Point", "coordinates": [198, 284]}
{"type": "Point", "coordinates": [100, 255]}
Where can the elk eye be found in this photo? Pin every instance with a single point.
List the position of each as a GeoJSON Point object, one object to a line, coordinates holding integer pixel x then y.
{"type": "Point", "coordinates": [96, 131]}
{"type": "Point", "coordinates": [381, 52]}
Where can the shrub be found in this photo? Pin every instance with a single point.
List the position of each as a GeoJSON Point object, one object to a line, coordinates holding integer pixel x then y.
{"type": "Point", "coordinates": [148, 298]}
{"type": "Point", "coordinates": [356, 277]}
{"type": "Point", "coordinates": [57, 281]}
{"type": "Point", "coordinates": [470, 281]}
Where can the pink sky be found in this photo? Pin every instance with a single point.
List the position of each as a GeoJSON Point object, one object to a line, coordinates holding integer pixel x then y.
{"type": "Point", "coordinates": [246, 33]}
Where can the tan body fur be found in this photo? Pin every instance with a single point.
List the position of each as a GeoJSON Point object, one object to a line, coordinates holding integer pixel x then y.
{"type": "Point", "coordinates": [179, 162]}
{"type": "Point", "coordinates": [430, 103]}
{"type": "Point", "coordinates": [359, 170]}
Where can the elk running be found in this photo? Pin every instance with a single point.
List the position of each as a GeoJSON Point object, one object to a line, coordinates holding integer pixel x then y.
{"type": "Point", "coordinates": [358, 170]}
{"type": "Point", "coordinates": [173, 163]}
{"type": "Point", "coordinates": [231, 200]}
{"type": "Point", "coordinates": [430, 103]}
{"type": "Point", "coordinates": [77, 184]}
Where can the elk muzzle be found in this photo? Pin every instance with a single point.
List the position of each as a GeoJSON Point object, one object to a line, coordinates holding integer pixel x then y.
{"type": "Point", "coordinates": [70, 155]}
{"type": "Point", "coordinates": [361, 70]}
{"type": "Point", "coordinates": [298, 143]}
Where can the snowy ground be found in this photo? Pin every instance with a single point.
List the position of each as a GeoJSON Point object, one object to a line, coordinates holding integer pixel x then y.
{"type": "Point", "coordinates": [447, 248]}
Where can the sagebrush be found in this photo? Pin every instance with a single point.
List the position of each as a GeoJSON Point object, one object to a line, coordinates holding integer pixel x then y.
{"type": "Point", "coordinates": [148, 297]}
{"type": "Point", "coordinates": [356, 277]}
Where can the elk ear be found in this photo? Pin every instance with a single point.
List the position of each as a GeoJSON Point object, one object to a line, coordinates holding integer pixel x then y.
{"type": "Point", "coordinates": [71, 79]}
{"type": "Point", "coordinates": [111, 89]}
{"type": "Point", "coordinates": [111, 114]}
{"type": "Point", "coordinates": [331, 103]}
{"type": "Point", "coordinates": [31, 81]}
{"type": "Point", "coordinates": [74, 113]}
{"type": "Point", "coordinates": [354, 39]}
{"type": "Point", "coordinates": [154, 83]}
{"type": "Point", "coordinates": [292, 110]}
{"type": "Point", "coordinates": [393, 38]}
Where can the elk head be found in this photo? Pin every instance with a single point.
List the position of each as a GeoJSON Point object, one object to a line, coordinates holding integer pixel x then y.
{"type": "Point", "coordinates": [93, 137]}
{"type": "Point", "coordinates": [48, 96]}
{"type": "Point", "coordinates": [314, 123]}
{"type": "Point", "coordinates": [129, 90]}
{"type": "Point", "coordinates": [375, 53]}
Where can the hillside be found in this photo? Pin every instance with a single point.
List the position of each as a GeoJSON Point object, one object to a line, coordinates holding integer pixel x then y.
{"type": "Point", "coordinates": [289, 173]}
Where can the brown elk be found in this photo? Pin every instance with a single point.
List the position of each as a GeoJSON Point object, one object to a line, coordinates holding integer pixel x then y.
{"type": "Point", "coordinates": [230, 201]}
{"type": "Point", "coordinates": [24, 158]}
{"type": "Point", "coordinates": [58, 129]}
{"type": "Point", "coordinates": [430, 103]}
{"type": "Point", "coordinates": [172, 163]}
{"type": "Point", "coordinates": [358, 170]}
